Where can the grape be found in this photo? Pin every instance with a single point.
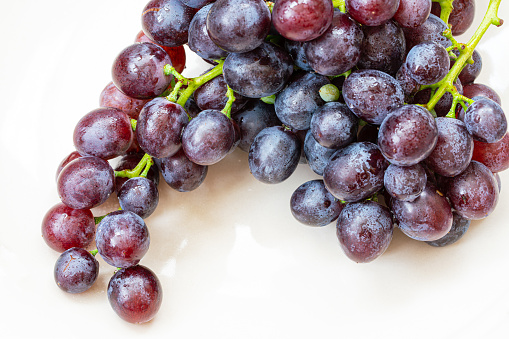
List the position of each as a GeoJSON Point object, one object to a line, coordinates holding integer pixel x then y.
{"type": "Point", "coordinates": [372, 94]}
{"type": "Point", "coordinates": [64, 227]}
{"type": "Point", "coordinates": [139, 195]}
{"type": "Point", "coordinates": [312, 205]}
{"type": "Point", "coordinates": [196, 3]}
{"type": "Point", "coordinates": [251, 119]}
{"type": "Point", "coordinates": [76, 270]}
{"type": "Point", "coordinates": [407, 135]}
{"type": "Point", "coordinates": [297, 50]}
{"type": "Point", "coordinates": [461, 17]}
{"type": "Point", "coordinates": [428, 63]}
{"type": "Point", "coordinates": [475, 90]}
{"type": "Point", "coordinates": [407, 83]}
{"type": "Point", "coordinates": [208, 138]}
{"type": "Point", "coordinates": [274, 155]}
{"type": "Point", "coordinates": [471, 71]}
{"type": "Point", "coordinates": [135, 294]}
{"type": "Point", "coordinates": [405, 183]}
{"type": "Point", "coordinates": [166, 22]}
{"type": "Point", "coordinates": [474, 192]}
{"type": "Point", "coordinates": [160, 126]}
{"type": "Point", "coordinates": [364, 230]}
{"type": "Point", "coordinates": [317, 156]}
{"type": "Point", "coordinates": [238, 26]}
{"type": "Point", "coordinates": [372, 12]}
{"type": "Point", "coordinates": [122, 238]}
{"type": "Point", "coordinates": [104, 132]}
{"type": "Point", "coordinates": [430, 30]}
{"type": "Point", "coordinates": [338, 49]}
{"type": "Point", "coordinates": [138, 70]}
{"type": "Point", "coordinates": [494, 155]}
{"type": "Point", "coordinates": [180, 173]}
{"type": "Point", "coordinates": [486, 120]}
{"type": "Point", "coordinates": [427, 218]}
{"type": "Point", "coordinates": [355, 172]}
{"type": "Point", "coordinates": [412, 13]}
{"type": "Point", "coordinates": [302, 20]}
{"type": "Point", "coordinates": [191, 107]}
{"type": "Point", "coordinates": [129, 162]}
{"type": "Point", "coordinates": [453, 150]}
{"type": "Point", "coordinates": [199, 39]}
{"type": "Point", "coordinates": [85, 182]}
{"type": "Point", "coordinates": [383, 48]}
{"type": "Point", "coordinates": [212, 95]}
{"type": "Point", "coordinates": [296, 103]}
{"type": "Point", "coordinates": [112, 97]}
{"type": "Point", "coordinates": [73, 155]}
{"type": "Point", "coordinates": [459, 228]}
{"type": "Point", "coordinates": [177, 54]}
{"type": "Point", "coordinates": [259, 73]}
{"type": "Point", "coordinates": [333, 125]}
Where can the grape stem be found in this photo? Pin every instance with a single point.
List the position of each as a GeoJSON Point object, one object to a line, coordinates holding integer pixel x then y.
{"type": "Point", "coordinates": [445, 9]}
{"type": "Point", "coordinates": [227, 110]}
{"type": "Point", "coordinates": [339, 4]}
{"type": "Point", "coordinates": [465, 54]}
{"type": "Point", "coordinates": [140, 170]}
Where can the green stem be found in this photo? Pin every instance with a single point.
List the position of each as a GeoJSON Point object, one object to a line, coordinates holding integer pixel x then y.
{"type": "Point", "coordinates": [339, 4]}
{"type": "Point", "coordinates": [227, 110]}
{"type": "Point", "coordinates": [97, 220]}
{"type": "Point", "coordinates": [94, 252]}
{"type": "Point", "coordinates": [446, 7]}
{"type": "Point", "coordinates": [133, 124]}
{"type": "Point", "coordinates": [149, 164]}
{"type": "Point", "coordinates": [271, 99]}
{"type": "Point", "coordinates": [135, 172]}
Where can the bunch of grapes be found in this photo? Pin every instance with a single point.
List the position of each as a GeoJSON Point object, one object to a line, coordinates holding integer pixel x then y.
{"type": "Point", "coordinates": [376, 96]}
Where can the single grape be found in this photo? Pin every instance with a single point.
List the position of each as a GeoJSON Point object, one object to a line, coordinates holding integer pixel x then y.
{"type": "Point", "coordinates": [180, 173]}
{"type": "Point", "coordinates": [412, 13]}
{"type": "Point", "coordinates": [139, 195]}
{"type": "Point", "coordinates": [430, 30]}
{"type": "Point", "coordinates": [494, 155]}
{"type": "Point", "coordinates": [372, 12]}
{"type": "Point", "coordinates": [355, 172]}
{"type": "Point", "coordinates": [317, 156]}
{"type": "Point", "coordinates": [212, 95]}
{"type": "Point", "coordinates": [461, 17]}
{"type": "Point", "coordinates": [274, 155]}
{"type": "Point", "coordinates": [302, 20]}
{"type": "Point", "coordinates": [427, 218]}
{"type": "Point", "coordinates": [85, 182]}
{"type": "Point", "coordinates": [333, 125]}
{"type": "Point", "coordinates": [199, 39]}
{"type": "Point", "coordinates": [486, 120]}
{"type": "Point", "coordinates": [73, 155]}
{"type": "Point", "coordinates": [64, 227]}
{"type": "Point", "coordinates": [76, 270]}
{"type": "Point", "coordinates": [405, 183]}
{"type": "Point", "coordinates": [364, 230]}
{"type": "Point", "coordinates": [135, 294]}
{"type": "Point", "coordinates": [428, 63]}
{"type": "Point", "coordinates": [312, 205]}
{"type": "Point", "coordinates": [407, 135]}
{"type": "Point", "coordinates": [104, 132]}
{"type": "Point", "coordinates": [122, 238]}
{"type": "Point", "coordinates": [177, 54]}
{"type": "Point", "coordinates": [160, 126]}
{"type": "Point", "coordinates": [476, 89]}
{"type": "Point", "coordinates": [459, 228]}
{"type": "Point", "coordinates": [111, 96]}
{"type": "Point", "coordinates": [129, 162]}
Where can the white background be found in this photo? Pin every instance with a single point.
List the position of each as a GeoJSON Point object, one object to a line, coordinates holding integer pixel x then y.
{"type": "Point", "coordinates": [232, 260]}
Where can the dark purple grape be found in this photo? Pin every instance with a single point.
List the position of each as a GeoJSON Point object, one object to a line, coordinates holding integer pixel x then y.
{"type": "Point", "coordinates": [453, 150]}
{"type": "Point", "coordinates": [355, 172]}
{"type": "Point", "coordinates": [474, 192]}
{"type": "Point", "coordinates": [135, 294]}
{"type": "Point", "coordinates": [160, 126]}
{"type": "Point", "coordinates": [364, 230]}
{"type": "Point", "coordinates": [333, 125]}
{"type": "Point", "coordinates": [73, 155]}
{"type": "Point", "coordinates": [471, 71]}
{"type": "Point", "coordinates": [427, 218]}
{"type": "Point", "coordinates": [297, 50]}
{"type": "Point", "coordinates": [338, 49]}
{"type": "Point", "coordinates": [129, 162]}
{"type": "Point", "coordinates": [122, 238]}
{"type": "Point", "coordinates": [238, 26]}
{"type": "Point", "coordinates": [138, 71]}
{"type": "Point", "coordinates": [407, 83]}
{"type": "Point", "coordinates": [412, 13]}
{"type": "Point", "coordinates": [166, 22]}
{"type": "Point", "coordinates": [494, 155]}
{"type": "Point", "coordinates": [383, 48]}
{"type": "Point", "coordinates": [199, 40]}
{"type": "Point", "coordinates": [191, 107]}
{"type": "Point", "coordinates": [180, 173]}
{"type": "Point", "coordinates": [104, 132]}
{"type": "Point", "coordinates": [139, 195]}
{"type": "Point", "coordinates": [111, 96]}
{"type": "Point", "coordinates": [407, 135]}
{"type": "Point", "coordinates": [444, 104]}
{"type": "Point", "coordinates": [430, 30]}
{"type": "Point", "coordinates": [212, 95]}
{"type": "Point", "coordinates": [428, 63]}
{"type": "Point", "coordinates": [196, 3]}
{"type": "Point", "coordinates": [76, 270]}
{"type": "Point", "coordinates": [302, 20]}
{"type": "Point", "coordinates": [85, 182]}
{"type": "Point", "coordinates": [459, 228]}
{"type": "Point", "coordinates": [296, 103]}
{"type": "Point", "coordinates": [371, 94]}
{"type": "Point", "coordinates": [274, 155]}
{"type": "Point", "coordinates": [251, 119]}
{"type": "Point", "coordinates": [259, 73]}
{"type": "Point", "coordinates": [475, 90]}
{"type": "Point", "coordinates": [312, 205]}
{"type": "Point", "coordinates": [405, 183]}
{"type": "Point", "coordinates": [372, 12]}
{"type": "Point", "coordinates": [486, 120]}
{"type": "Point", "coordinates": [317, 156]}
{"type": "Point", "coordinates": [208, 138]}
{"type": "Point", "coordinates": [64, 227]}
{"type": "Point", "coordinates": [461, 17]}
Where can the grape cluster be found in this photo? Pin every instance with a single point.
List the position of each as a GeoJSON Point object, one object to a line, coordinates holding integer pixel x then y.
{"type": "Point", "coordinates": [376, 96]}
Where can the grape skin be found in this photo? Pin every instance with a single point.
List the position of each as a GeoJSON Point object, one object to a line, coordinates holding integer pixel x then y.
{"type": "Point", "coordinates": [129, 162]}
{"type": "Point", "coordinates": [333, 125]}
{"type": "Point", "coordinates": [73, 155]}
{"type": "Point", "coordinates": [199, 39]}
{"type": "Point", "coordinates": [212, 95]}
{"type": "Point", "coordinates": [461, 17]}
{"type": "Point", "coordinates": [485, 120]}
{"type": "Point", "coordinates": [139, 195]}
{"type": "Point", "coordinates": [180, 173]}
{"type": "Point", "coordinates": [430, 30]}
{"type": "Point", "coordinates": [75, 270]}
{"type": "Point", "coordinates": [317, 156]}
{"type": "Point", "coordinates": [177, 54]}
{"type": "Point", "coordinates": [111, 96]}
{"type": "Point", "coordinates": [494, 155]}
{"type": "Point", "coordinates": [372, 12]}
{"type": "Point", "coordinates": [428, 63]}
{"type": "Point", "coordinates": [475, 89]}
{"type": "Point", "coordinates": [459, 227]}
{"type": "Point", "coordinates": [412, 13]}
{"type": "Point", "coordinates": [405, 183]}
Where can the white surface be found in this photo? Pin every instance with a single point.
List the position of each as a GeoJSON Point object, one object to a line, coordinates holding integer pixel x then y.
{"type": "Point", "coordinates": [232, 260]}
